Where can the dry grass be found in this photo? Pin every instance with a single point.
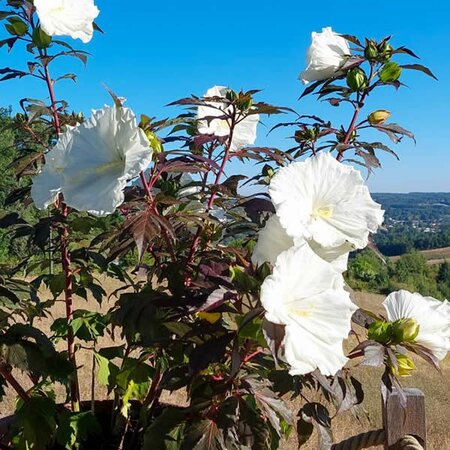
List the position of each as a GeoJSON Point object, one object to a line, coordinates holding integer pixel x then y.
{"type": "Point", "coordinates": [436, 386]}
{"type": "Point", "coordinates": [435, 256]}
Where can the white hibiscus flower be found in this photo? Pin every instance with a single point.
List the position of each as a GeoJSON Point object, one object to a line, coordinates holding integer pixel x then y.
{"type": "Point", "coordinates": [307, 295]}
{"type": "Point", "coordinates": [95, 162]}
{"type": "Point", "coordinates": [47, 185]}
{"type": "Point", "coordinates": [325, 56]}
{"type": "Point", "coordinates": [245, 129]}
{"type": "Point", "coordinates": [72, 18]}
{"type": "Point", "coordinates": [433, 317]}
{"type": "Point", "coordinates": [273, 240]}
{"type": "Point", "coordinates": [325, 201]}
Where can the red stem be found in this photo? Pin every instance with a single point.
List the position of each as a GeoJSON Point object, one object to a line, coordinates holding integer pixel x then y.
{"type": "Point", "coordinates": [359, 105]}
{"type": "Point", "coordinates": [9, 377]}
{"type": "Point", "coordinates": [68, 292]}
{"type": "Point", "coordinates": [66, 263]}
{"type": "Point", "coordinates": [252, 355]}
{"type": "Point", "coordinates": [154, 388]}
{"type": "Point", "coordinates": [225, 159]}
{"type": "Point", "coordinates": [51, 91]}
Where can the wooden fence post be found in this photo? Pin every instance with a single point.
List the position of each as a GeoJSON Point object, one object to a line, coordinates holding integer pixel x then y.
{"type": "Point", "coordinates": [398, 422]}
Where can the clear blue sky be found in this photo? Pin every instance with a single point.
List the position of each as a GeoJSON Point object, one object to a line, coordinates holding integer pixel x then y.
{"type": "Point", "coordinates": [160, 51]}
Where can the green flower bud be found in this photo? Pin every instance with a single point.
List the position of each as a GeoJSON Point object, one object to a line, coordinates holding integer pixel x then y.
{"type": "Point", "coordinates": [342, 134]}
{"type": "Point", "coordinates": [371, 51]}
{"type": "Point", "coordinates": [378, 117]}
{"type": "Point", "coordinates": [385, 51]}
{"type": "Point", "coordinates": [356, 79]}
{"type": "Point", "coordinates": [155, 143]}
{"type": "Point", "coordinates": [405, 330]}
{"type": "Point", "coordinates": [231, 96]}
{"type": "Point", "coordinates": [268, 171]}
{"type": "Point", "coordinates": [244, 103]}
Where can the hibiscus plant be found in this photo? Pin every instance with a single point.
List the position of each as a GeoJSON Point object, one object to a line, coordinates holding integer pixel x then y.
{"type": "Point", "coordinates": [240, 301]}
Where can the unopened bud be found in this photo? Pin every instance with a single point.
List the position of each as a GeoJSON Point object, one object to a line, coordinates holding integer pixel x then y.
{"type": "Point", "coordinates": [371, 51]}
{"type": "Point", "coordinates": [385, 51]}
{"type": "Point", "coordinates": [405, 330]}
{"type": "Point", "coordinates": [356, 79]}
{"type": "Point", "coordinates": [244, 103]}
{"type": "Point", "coordinates": [378, 117]}
{"type": "Point", "coordinates": [155, 143]}
{"type": "Point", "coordinates": [231, 95]}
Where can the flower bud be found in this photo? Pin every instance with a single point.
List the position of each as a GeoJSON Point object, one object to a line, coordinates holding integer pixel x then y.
{"type": "Point", "coordinates": [244, 103]}
{"type": "Point", "coordinates": [371, 51]}
{"type": "Point", "coordinates": [385, 51]}
{"type": "Point", "coordinates": [405, 330]}
{"type": "Point", "coordinates": [231, 95]}
{"type": "Point", "coordinates": [404, 366]}
{"type": "Point", "coordinates": [155, 143]}
{"type": "Point", "coordinates": [378, 117]}
{"type": "Point", "coordinates": [356, 79]}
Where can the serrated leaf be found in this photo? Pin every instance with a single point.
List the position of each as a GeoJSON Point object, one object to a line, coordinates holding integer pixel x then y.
{"type": "Point", "coordinates": [318, 416]}
{"type": "Point", "coordinates": [36, 417]}
{"type": "Point", "coordinates": [162, 431]}
{"type": "Point", "coordinates": [74, 428]}
{"type": "Point", "coordinates": [420, 68]}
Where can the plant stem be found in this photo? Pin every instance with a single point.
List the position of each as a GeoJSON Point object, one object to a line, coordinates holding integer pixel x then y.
{"type": "Point", "coordinates": [358, 107]}
{"type": "Point", "coordinates": [155, 210]}
{"type": "Point", "coordinates": [66, 262]}
{"type": "Point", "coordinates": [225, 159]}
{"type": "Point", "coordinates": [51, 92]}
{"type": "Point", "coordinates": [68, 291]}
{"type": "Point", "coordinates": [9, 377]}
{"type": "Point", "coordinates": [154, 388]}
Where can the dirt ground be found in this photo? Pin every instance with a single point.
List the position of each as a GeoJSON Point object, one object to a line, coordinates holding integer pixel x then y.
{"type": "Point", "coordinates": [435, 385]}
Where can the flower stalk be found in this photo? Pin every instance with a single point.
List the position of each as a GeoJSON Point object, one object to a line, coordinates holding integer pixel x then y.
{"type": "Point", "coordinates": [226, 157]}
{"type": "Point", "coordinates": [66, 263]}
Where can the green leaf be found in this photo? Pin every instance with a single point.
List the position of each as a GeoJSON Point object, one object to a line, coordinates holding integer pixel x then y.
{"type": "Point", "coordinates": [57, 284]}
{"type": "Point", "coordinates": [133, 382]}
{"type": "Point", "coordinates": [16, 26]}
{"type": "Point", "coordinates": [88, 326]}
{"type": "Point", "coordinates": [107, 371]}
{"type": "Point", "coordinates": [40, 38]}
{"type": "Point", "coordinates": [391, 72]}
{"type": "Point", "coordinates": [36, 418]}
{"type": "Point", "coordinates": [75, 428]}
{"type": "Point", "coordinates": [164, 430]}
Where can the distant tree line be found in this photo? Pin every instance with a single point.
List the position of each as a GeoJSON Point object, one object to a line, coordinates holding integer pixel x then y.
{"type": "Point", "coordinates": [368, 272]}
{"type": "Point", "coordinates": [405, 239]}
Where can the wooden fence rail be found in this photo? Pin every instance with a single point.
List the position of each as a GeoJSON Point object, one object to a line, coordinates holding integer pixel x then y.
{"type": "Point", "coordinates": [403, 429]}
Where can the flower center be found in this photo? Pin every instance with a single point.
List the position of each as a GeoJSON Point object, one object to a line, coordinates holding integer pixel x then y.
{"type": "Point", "coordinates": [58, 8]}
{"type": "Point", "coordinates": [297, 311]}
{"type": "Point", "coordinates": [222, 126]}
{"type": "Point", "coordinates": [108, 166]}
{"type": "Point", "coordinates": [324, 212]}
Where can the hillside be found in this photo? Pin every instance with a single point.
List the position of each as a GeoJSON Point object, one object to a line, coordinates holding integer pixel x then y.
{"type": "Point", "coordinates": [414, 221]}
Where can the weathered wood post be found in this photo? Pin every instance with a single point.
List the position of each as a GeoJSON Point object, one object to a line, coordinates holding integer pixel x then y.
{"type": "Point", "coordinates": [399, 422]}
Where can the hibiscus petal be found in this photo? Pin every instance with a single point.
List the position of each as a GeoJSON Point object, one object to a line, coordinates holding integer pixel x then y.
{"type": "Point", "coordinates": [433, 317]}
